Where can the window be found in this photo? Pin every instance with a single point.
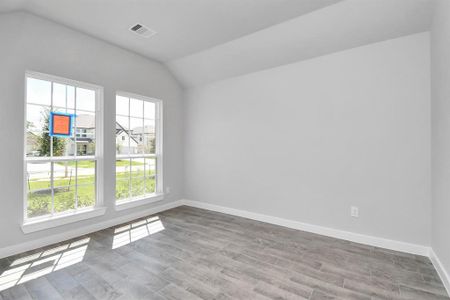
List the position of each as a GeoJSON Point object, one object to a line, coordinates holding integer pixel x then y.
{"type": "Point", "coordinates": [138, 147]}
{"type": "Point", "coordinates": [60, 172]}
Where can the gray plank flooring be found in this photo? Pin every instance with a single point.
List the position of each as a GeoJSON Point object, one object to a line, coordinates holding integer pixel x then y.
{"type": "Point", "coordinates": [188, 253]}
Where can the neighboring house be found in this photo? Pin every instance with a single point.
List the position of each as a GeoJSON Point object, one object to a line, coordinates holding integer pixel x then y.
{"type": "Point", "coordinates": [136, 140]}
{"type": "Point", "coordinates": [146, 137]}
{"type": "Point", "coordinates": [133, 142]}
{"type": "Point", "coordinates": [85, 135]}
{"type": "Point", "coordinates": [124, 143]}
{"type": "Point", "coordinates": [32, 144]}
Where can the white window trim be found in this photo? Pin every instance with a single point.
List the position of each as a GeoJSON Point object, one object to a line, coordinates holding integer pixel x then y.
{"type": "Point", "coordinates": [159, 128]}
{"type": "Point", "coordinates": [46, 222]}
{"type": "Point", "coordinates": [135, 202]}
{"type": "Point", "coordinates": [58, 219]}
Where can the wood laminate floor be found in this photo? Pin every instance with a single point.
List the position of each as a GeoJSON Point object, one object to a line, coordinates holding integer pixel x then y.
{"type": "Point", "coordinates": [188, 253]}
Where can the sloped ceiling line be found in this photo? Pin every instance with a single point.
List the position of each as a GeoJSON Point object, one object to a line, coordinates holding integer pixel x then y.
{"type": "Point", "coordinates": [239, 37]}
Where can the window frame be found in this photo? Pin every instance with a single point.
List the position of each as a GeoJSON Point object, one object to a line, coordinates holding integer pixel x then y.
{"type": "Point", "coordinates": [60, 218]}
{"type": "Point", "coordinates": [158, 155]}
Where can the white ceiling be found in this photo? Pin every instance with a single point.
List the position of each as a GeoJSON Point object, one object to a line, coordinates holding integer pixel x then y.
{"type": "Point", "coordinates": [348, 24]}
{"type": "Point", "coordinates": [184, 26]}
{"type": "Point", "coordinates": [203, 41]}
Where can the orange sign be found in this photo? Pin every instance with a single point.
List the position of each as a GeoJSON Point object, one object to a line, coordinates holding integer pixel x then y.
{"type": "Point", "coordinates": [61, 125]}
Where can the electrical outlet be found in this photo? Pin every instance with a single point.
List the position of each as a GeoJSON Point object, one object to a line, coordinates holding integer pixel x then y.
{"type": "Point", "coordinates": [168, 190]}
{"type": "Point", "coordinates": [354, 212]}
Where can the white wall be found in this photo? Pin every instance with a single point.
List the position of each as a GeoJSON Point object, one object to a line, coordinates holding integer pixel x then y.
{"type": "Point", "coordinates": [31, 43]}
{"type": "Point", "coordinates": [307, 140]}
{"type": "Point", "coordinates": [440, 109]}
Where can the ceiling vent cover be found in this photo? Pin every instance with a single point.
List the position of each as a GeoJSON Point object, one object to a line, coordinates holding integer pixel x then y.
{"type": "Point", "coordinates": [142, 30]}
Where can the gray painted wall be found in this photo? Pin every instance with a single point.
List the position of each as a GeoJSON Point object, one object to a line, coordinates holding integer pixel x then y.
{"type": "Point", "coordinates": [307, 140]}
{"type": "Point", "coordinates": [440, 109]}
{"type": "Point", "coordinates": [31, 43]}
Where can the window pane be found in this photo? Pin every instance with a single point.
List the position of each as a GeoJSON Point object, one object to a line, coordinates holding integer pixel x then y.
{"type": "Point", "coordinates": [64, 185]}
{"type": "Point", "coordinates": [63, 146]}
{"type": "Point", "coordinates": [33, 146]}
{"type": "Point", "coordinates": [122, 179]}
{"type": "Point", "coordinates": [137, 186]}
{"type": "Point", "coordinates": [86, 172]}
{"type": "Point", "coordinates": [64, 198]}
{"type": "Point", "coordinates": [37, 118]}
{"type": "Point", "coordinates": [70, 97]}
{"type": "Point", "coordinates": [85, 99]}
{"type": "Point", "coordinates": [85, 132]}
{"type": "Point", "coordinates": [38, 140]}
{"type": "Point", "coordinates": [136, 108]}
{"type": "Point", "coordinates": [64, 174]}
{"type": "Point", "coordinates": [137, 167]}
{"type": "Point", "coordinates": [136, 136]}
{"type": "Point", "coordinates": [150, 185]}
{"type": "Point", "coordinates": [59, 95]}
{"type": "Point", "coordinates": [122, 123]}
{"type": "Point", "coordinates": [122, 137]}
{"type": "Point", "coordinates": [39, 189]}
{"type": "Point", "coordinates": [150, 167]}
{"type": "Point", "coordinates": [150, 175]}
{"type": "Point", "coordinates": [39, 204]}
{"type": "Point", "coordinates": [123, 169]}
{"type": "Point", "coordinates": [65, 111]}
{"type": "Point", "coordinates": [149, 137]}
{"type": "Point", "coordinates": [86, 195]}
{"type": "Point", "coordinates": [122, 189]}
{"type": "Point", "coordinates": [149, 110]}
{"type": "Point", "coordinates": [122, 106]}
{"type": "Point", "coordinates": [39, 91]}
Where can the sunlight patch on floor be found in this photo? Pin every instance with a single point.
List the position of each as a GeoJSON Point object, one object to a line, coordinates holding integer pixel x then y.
{"type": "Point", "coordinates": [129, 233]}
{"type": "Point", "coordinates": [42, 263]}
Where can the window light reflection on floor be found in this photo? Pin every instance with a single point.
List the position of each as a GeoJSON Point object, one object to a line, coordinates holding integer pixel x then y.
{"type": "Point", "coordinates": [39, 264]}
{"type": "Point", "coordinates": [129, 233]}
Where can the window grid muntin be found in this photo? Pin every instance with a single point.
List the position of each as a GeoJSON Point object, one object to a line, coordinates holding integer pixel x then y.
{"type": "Point", "coordinates": [52, 159]}
{"type": "Point", "coordinates": [156, 156]}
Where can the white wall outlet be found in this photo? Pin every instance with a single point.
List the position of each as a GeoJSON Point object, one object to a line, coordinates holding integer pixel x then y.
{"type": "Point", "coordinates": [168, 190]}
{"type": "Point", "coordinates": [354, 212]}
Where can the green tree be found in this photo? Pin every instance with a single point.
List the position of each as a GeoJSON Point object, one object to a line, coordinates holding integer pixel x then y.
{"type": "Point", "coordinates": [59, 144]}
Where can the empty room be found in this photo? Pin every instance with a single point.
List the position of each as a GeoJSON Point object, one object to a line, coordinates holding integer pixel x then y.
{"type": "Point", "coordinates": [225, 149]}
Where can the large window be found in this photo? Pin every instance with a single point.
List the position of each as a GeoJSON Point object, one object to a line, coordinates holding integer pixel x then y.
{"type": "Point", "coordinates": [60, 171]}
{"type": "Point", "coordinates": [138, 147]}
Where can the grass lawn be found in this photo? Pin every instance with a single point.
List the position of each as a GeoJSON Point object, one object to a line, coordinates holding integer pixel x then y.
{"type": "Point", "coordinates": [40, 203]}
{"type": "Point", "coordinates": [91, 164]}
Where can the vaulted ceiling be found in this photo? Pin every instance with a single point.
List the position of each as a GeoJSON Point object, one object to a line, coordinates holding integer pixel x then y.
{"type": "Point", "coordinates": [184, 26]}
{"type": "Point", "coordinates": [203, 41]}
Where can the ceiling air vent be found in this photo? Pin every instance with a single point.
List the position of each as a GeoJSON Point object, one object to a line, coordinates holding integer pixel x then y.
{"type": "Point", "coordinates": [142, 30]}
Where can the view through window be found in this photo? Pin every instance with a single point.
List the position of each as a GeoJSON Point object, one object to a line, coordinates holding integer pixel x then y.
{"type": "Point", "coordinates": [60, 172]}
{"type": "Point", "coordinates": [137, 147]}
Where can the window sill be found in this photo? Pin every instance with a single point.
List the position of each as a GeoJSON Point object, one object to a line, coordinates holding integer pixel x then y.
{"type": "Point", "coordinates": [139, 201]}
{"type": "Point", "coordinates": [62, 219]}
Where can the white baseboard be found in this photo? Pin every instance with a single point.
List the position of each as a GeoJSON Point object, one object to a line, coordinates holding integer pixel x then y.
{"type": "Point", "coordinates": [42, 242]}
{"type": "Point", "coordinates": [340, 234]}
{"type": "Point", "coordinates": [443, 274]}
